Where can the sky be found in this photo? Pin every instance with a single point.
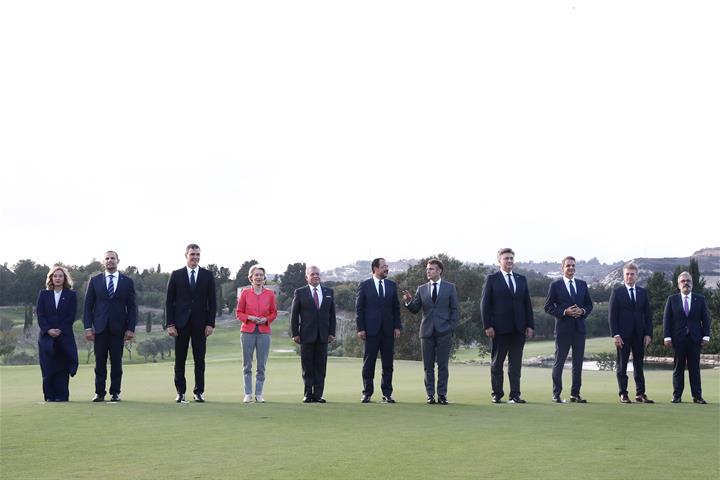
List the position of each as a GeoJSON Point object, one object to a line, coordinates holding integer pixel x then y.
{"type": "Point", "coordinates": [330, 131]}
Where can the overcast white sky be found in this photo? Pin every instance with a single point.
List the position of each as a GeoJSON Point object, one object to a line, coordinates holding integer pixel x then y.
{"type": "Point", "coordinates": [333, 131]}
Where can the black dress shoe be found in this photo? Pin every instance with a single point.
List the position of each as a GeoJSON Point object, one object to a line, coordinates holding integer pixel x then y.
{"type": "Point", "coordinates": [98, 398]}
{"type": "Point", "coordinates": [308, 399]}
{"type": "Point", "coordinates": [388, 399]}
{"type": "Point", "coordinates": [442, 400]}
{"type": "Point", "coordinates": [430, 400]}
{"type": "Point", "coordinates": [496, 399]}
{"type": "Point", "coordinates": [643, 399]}
{"type": "Point", "coordinates": [557, 399]}
{"type": "Point", "coordinates": [577, 399]}
{"type": "Point", "coordinates": [320, 400]}
{"type": "Point", "coordinates": [198, 397]}
{"type": "Point", "coordinates": [365, 399]}
{"type": "Point", "coordinates": [676, 400]}
{"type": "Point", "coordinates": [115, 397]}
{"type": "Point", "coordinates": [699, 400]}
{"type": "Point", "coordinates": [180, 398]}
{"type": "Point", "coordinates": [624, 398]}
{"type": "Point", "coordinates": [516, 400]}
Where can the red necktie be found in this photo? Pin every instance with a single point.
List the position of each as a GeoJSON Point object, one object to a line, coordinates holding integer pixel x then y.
{"type": "Point", "coordinates": [315, 298]}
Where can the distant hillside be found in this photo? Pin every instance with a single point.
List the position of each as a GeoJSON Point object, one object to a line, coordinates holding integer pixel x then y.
{"type": "Point", "coordinates": [609, 274]}
{"type": "Point", "coordinates": [592, 270]}
{"type": "Point", "coordinates": [361, 270]}
{"type": "Point", "coordinates": [708, 261]}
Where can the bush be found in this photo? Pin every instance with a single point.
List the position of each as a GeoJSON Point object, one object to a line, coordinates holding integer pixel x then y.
{"type": "Point", "coordinates": [605, 361]}
{"type": "Point", "coordinates": [21, 358]}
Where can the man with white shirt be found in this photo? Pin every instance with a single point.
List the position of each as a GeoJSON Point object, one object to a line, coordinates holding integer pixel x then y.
{"type": "Point", "coordinates": [190, 309]}
{"type": "Point", "coordinates": [109, 317]}
{"type": "Point", "coordinates": [313, 322]}
{"type": "Point", "coordinates": [631, 327]}
{"type": "Point", "coordinates": [568, 300]}
{"type": "Point", "coordinates": [377, 316]}
{"type": "Point", "coordinates": [507, 316]}
{"type": "Point", "coordinates": [438, 301]}
{"type": "Point", "coordinates": [686, 323]}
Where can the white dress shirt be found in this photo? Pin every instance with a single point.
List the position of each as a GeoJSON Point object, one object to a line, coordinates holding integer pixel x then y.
{"type": "Point", "coordinates": [320, 296]}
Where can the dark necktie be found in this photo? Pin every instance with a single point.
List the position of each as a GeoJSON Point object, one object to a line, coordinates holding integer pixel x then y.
{"type": "Point", "coordinates": [381, 291]}
{"type": "Point", "coordinates": [434, 293]}
{"type": "Point", "coordinates": [192, 279]}
{"type": "Point", "coordinates": [632, 295]}
{"type": "Point", "coordinates": [510, 283]}
{"type": "Point", "coordinates": [573, 293]}
{"type": "Point", "coordinates": [315, 298]}
{"type": "Point", "coordinates": [111, 287]}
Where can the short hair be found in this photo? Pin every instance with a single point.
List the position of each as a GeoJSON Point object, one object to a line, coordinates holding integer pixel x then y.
{"type": "Point", "coordinates": [192, 246]}
{"type": "Point", "coordinates": [569, 257]}
{"type": "Point", "coordinates": [376, 263]}
{"type": "Point", "coordinates": [67, 283]}
{"type": "Point", "coordinates": [503, 251]}
{"type": "Point", "coordinates": [685, 274]}
{"type": "Point", "coordinates": [307, 269]}
{"type": "Point", "coordinates": [437, 263]}
{"type": "Point", "coordinates": [631, 266]}
{"type": "Point", "coordinates": [257, 266]}
{"type": "Point", "coordinates": [112, 251]}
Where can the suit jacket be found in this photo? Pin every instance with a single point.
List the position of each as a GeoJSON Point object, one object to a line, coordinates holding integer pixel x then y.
{"type": "Point", "coordinates": [183, 304]}
{"type": "Point", "coordinates": [442, 316]}
{"type": "Point", "coordinates": [306, 321]}
{"type": "Point", "coordinates": [628, 319]}
{"type": "Point", "coordinates": [376, 315]}
{"type": "Point", "coordinates": [118, 313]}
{"type": "Point", "coordinates": [696, 323]}
{"type": "Point", "coordinates": [63, 316]}
{"type": "Point", "coordinates": [558, 299]}
{"type": "Point", "coordinates": [503, 310]}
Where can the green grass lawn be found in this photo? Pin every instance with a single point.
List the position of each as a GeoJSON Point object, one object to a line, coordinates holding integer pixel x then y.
{"type": "Point", "coordinates": [148, 436]}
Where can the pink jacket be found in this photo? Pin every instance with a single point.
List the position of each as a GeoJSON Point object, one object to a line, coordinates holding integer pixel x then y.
{"type": "Point", "coordinates": [263, 305]}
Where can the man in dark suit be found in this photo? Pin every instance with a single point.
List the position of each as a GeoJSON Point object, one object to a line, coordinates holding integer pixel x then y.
{"type": "Point", "coordinates": [439, 303]}
{"type": "Point", "coordinates": [568, 300]}
{"type": "Point", "coordinates": [377, 315]}
{"type": "Point", "coordinates": [312, 321]}
{"type": "Point", "coordinates": [686, 323]}
{"type": "Point", "coordinates": [190, 308]}
{"type": "Point", "coordinates": [110, 315]}
{"type": "Point", "coordinates": [631, 327]}
{"type": "Point", "coordinates": [508, 319]}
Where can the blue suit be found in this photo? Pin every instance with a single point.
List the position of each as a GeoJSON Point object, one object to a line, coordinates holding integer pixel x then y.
{"type": "Point", "coordinates": [190, 310]}
{"type": "Point", "coordinates": [58, 355]}
{"type": "Point", "coordinates": [569, 331]}
{"type": "Point", "coordinates": [686, 332]}
{"type": "Point", "coordinates": [509, 314]}
{"type": "Point", "coordinates": [378, 318]}
{"type": "Point", "coordinates": [110, 318]}
{"type": "Point", "coordinates": [633, 322]}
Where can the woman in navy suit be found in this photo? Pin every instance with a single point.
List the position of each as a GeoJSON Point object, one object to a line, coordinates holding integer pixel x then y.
{"type": "Point", "coordinates": [56, 309]}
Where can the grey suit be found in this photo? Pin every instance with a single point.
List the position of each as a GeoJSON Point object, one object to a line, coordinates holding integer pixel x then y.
{"type": "Point", "coordinates": [439, 320]}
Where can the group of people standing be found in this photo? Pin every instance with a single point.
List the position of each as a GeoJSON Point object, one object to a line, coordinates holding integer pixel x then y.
{"type": "Point", "coordinates": [110, 317]}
